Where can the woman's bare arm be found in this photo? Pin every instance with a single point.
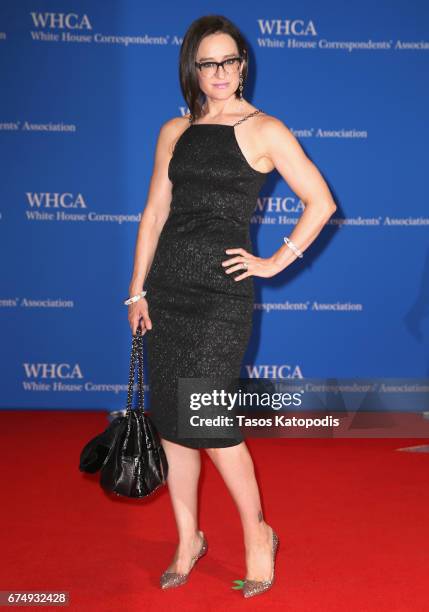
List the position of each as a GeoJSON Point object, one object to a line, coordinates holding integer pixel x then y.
{"type": "Point", "coordinates": [283, 151]}
{"type": "Point", "coordinates": [305, 180]}
{"type": "Point", "coordinates": [157, 206]}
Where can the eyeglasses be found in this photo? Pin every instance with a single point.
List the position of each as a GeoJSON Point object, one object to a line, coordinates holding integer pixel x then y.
{"type": "Point", "coordinates": [209, 69]}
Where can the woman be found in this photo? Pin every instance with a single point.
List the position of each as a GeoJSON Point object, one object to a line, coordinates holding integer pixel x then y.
{"type": "Point", "coordinates": [194, 234]}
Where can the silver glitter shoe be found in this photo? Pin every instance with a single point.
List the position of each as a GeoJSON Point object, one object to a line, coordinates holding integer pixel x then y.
{"type": "Point", "coordinates": [255, 587]}
{"type": "Point", "coordinates": [173, 579]}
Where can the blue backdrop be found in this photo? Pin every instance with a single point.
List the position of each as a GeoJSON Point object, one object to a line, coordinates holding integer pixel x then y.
{"type": "Point", "coordinates": [85, 88]}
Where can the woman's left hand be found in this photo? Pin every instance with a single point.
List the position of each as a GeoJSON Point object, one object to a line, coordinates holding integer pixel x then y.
{"type": "Point", "coordinates": [256, 266]}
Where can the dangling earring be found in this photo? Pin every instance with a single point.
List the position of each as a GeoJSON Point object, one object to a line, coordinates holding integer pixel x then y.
{"type": "Point", "coordinates": [241, 87]}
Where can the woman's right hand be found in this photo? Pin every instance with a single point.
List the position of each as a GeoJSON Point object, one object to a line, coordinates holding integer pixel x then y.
{"type": "Point", "coordinates": [139, 311]}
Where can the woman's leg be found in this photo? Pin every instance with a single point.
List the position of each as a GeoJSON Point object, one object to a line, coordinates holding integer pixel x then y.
{"type": "Point", "coordinates": [236, 468]}
{"type": "Point", "coordinates": [184, 466]}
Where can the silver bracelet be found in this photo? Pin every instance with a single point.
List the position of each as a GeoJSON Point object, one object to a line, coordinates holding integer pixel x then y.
{"type": "Point", "coordinates": [134, 298]}
{"type": "Point", "coordinates": [293, 246]}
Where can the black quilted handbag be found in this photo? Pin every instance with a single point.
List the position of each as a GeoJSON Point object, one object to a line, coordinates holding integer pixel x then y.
{"type": "Point", "coordinates": [129, 452]}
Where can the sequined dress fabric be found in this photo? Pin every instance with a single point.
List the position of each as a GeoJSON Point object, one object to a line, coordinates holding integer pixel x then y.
{"type": "Point", "coordinates": [201, 316]}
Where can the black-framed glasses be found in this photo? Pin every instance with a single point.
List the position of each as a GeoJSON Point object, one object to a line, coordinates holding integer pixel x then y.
{"type": "Point", "coordinates": [209, 69]}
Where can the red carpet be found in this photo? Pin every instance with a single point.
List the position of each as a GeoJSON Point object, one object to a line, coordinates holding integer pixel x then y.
{"type": "Point", "coordinates": [352, 517]}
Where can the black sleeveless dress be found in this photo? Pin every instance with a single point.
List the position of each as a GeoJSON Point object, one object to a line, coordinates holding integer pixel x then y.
{"type": "Point", "coordinates": [201, 316]}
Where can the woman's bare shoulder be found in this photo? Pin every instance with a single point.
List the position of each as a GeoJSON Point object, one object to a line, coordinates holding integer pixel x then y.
{"type": "Point", "coordinates": [270, 122]}
{"type": "Point", "coordinates": [172, 129]}
{"type": "Point", "coordinates": [176, 122]}
{"type": "Point", "coordinates": [273, 131]}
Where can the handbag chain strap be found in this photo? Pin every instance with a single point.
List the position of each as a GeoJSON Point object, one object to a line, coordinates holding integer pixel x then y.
{"type": "Point", "coordinates": [136, 355]}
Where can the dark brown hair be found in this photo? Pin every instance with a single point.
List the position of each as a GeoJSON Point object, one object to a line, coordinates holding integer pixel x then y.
{"type": "Point", "coordinates": [199, 29]}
